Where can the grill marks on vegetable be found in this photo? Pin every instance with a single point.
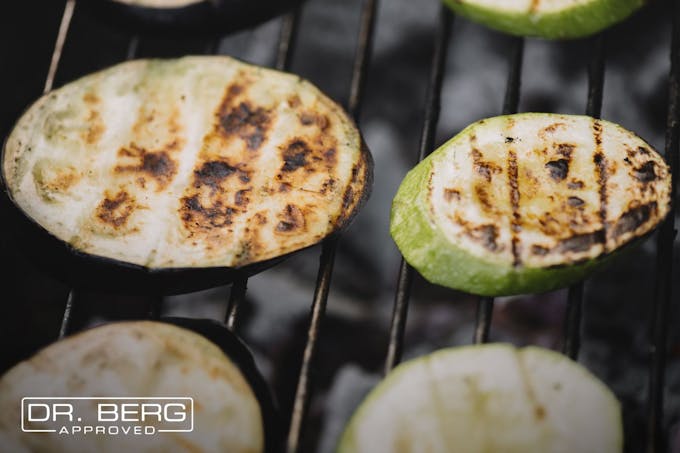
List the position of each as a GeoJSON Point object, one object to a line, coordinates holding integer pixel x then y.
{"type": "Point", "coordinates": [564, 204]}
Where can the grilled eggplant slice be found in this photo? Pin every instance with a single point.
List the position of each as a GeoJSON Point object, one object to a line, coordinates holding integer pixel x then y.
{"type": "Point", "coordinates": [231, 405]}
{"type": "Point", "coordinates": [551, 19]}
{"type": "Point", "coordinates": [528, 203]}
{"type": "Point", "coordinates": [187, 16]}
{"type": "Point", "coordinates": [188, 171]}
{"type": "Point", "coordinates": [487, 398]}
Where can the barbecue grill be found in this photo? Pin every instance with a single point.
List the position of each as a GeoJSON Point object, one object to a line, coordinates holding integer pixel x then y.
{"type": "Point", "coordinates": [61, 42]}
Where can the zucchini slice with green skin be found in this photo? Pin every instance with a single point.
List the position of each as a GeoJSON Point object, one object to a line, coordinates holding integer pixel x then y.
{"type": "Point", "coordinates": [487, 399]}
{"type": "Point", "coordinates": [528, 203]}
{"type": "Point", "coordinates": [188, 358]}
{"type": "Point", "coordinates": [551, 19]}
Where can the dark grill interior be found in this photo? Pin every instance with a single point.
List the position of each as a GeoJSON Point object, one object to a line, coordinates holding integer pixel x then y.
{"type": "Point", "coordinates": [34, 303]}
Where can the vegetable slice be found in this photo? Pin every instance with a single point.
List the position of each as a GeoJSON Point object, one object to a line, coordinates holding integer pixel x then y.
{"type": "Point", "coordinates": [528, 203]}
{"type": "Point", "coordinates": [187, 16]}
{"type": "Point", "coordinates": [200, 162]}
{"type": "Point", "coordinates": [552, 19]}
{"type": "Point", "coordinates": [487, 398]}
{"type": "Point", "coordinates": [143, 359]}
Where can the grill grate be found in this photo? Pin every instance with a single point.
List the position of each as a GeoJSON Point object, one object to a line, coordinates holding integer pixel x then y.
{"type": "Point", "coordinates": [656, 439]}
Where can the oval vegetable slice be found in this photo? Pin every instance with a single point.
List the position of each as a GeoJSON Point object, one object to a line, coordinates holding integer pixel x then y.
{"type": "Point", "coordinates": [194, 16]}
{"type": "Point", "coordinates": [487, 399]}
{"type": "Point", "coordinates": [132, 360]}
{"type": "Point", "coordinates": [552, 19]}
{"type": "Point", "coordinates": [528, 203]}
{"type": "Point", "coordinates": [200, 162]}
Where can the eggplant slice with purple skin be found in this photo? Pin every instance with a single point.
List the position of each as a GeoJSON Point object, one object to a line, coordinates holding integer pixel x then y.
{"type": "Point", "coordinates": [233, 409]}
{"type": "Point", "coordinates": [169, 176]}
{"type": "Point", "coordinates": [199, 17]}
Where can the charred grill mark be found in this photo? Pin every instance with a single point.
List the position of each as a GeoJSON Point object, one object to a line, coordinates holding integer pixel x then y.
{"type": "Point", "coordinates": [634, 218]}
{"type": "Point", "coordinates": [550, 129]}
{"type": "Point", "coordinates": [487, 235]}
{"type": "Point", "coordinates": [509, 139]}
{"type": "Point", "coordinates": [156, 164]}
{"type": "Point", "coordinates": [328, 185]}
{"type": "Point", "coordinates": [295, 155]}
{"type": "Point", "coordinates": [196, 216]}
{"type": "Point", "coordinates": [483, 168]}
{"type": "Point", "coordinates": [291, 219]}
{"type": "Point", "coordinates": [483, 198]}
{"type": "Point", "coordinates": [95, 128]}
{"type": "Point", "coordinates": [601, 172]}
{"type": "Point", "coordinates": [581, 242]}
{"type": "Point", "coordinates": [516, 224]}
{"type": "Point", "coordinates": [539, 250]}
{"type": "Point", "coordinates": [646, 173]}
{"type": "Point", "coordinates": [247, 122]}
{"type": "Point", "coordinates": [241, 198]}
{"type": "Point", "coordinates": [311, 119]}
{"type": "Point", "coordinates": [451, 194]}
{"type": "Point", "coordinates": [558, 169]}
{"type": "Point", "coordinates": [212, 173]}
{"type": "Point", "coordinates": [575, 184]}
{"type": "Point", "coordinates": [116, 210]}
{"type": "Point", "coordinates": [565, 149]}
{"type": "Point", "coordinates": [575, 202]}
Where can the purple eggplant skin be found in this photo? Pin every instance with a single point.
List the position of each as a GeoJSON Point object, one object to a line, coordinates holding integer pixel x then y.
{"type": "Point", "coordinates": [91, 272]}
{"type": "Point", "coordinates": [205, 17]}
{"type": "Point", "coordinates": [240, 355]}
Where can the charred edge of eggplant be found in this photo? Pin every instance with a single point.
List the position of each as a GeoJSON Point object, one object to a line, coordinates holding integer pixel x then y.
{"type": "Point", "coordinates": [203, 18]}
{"type": "Point", "coordinates": [237, 351]}
{"type": "Point", "coordinates": [366, 158]}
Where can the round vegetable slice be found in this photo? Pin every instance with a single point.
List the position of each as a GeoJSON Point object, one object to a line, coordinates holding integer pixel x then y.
{"type": "Point", "coordinates": [528, 203]}
{"type": "Point", "coordinates": [173, 175]}
{"type": "Point", "coordinates": [192, 16]}
{"type": "Point", "coordinates": [488, 398]}
{"type": "Point", "coordinates": [231, 409]}
{"type": "Point", "coordinates": [552, 19]}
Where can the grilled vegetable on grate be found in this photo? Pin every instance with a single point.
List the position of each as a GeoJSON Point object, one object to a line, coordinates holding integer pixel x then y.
{"type": "Point", "coordinates": [528, 203]}
{"type": "Point", "coordinates": [232, 407]}
{"type": "Point", "coordinates": [487, 399]}
{"type": "Point", "coordinates": [187, 170]}
{"type": "Point", "coordinates": [193, 16]}
{"type": "Point", "coordinates": [552, 19]}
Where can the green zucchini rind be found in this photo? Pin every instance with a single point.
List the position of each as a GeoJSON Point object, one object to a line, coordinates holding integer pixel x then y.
{"type": "Point", "coordinates": [490, 399]}
{"type": "Point", "coordinates": [551, 19]}
{"type": "Point", "coordinates": [528, 203]}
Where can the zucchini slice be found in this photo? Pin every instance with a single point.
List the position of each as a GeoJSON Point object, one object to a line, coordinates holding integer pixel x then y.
{"type": "Point", "coordinates": [199, 162]}
{"type": "Point", "coordinates": [528, 203]}
{"type": "Point", "coordinates": [143, 359]}
{"type": "Point", "coordinates": [551, 19]}
{"type": "Point", "coordinates": [487, 399]}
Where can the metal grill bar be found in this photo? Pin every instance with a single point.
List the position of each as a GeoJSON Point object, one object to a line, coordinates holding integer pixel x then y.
{"type": "Point", "coordinates": [432, 109]}
{"type": "Point", "coordinates": [302, 393]}
{"type": "Point", "coordinates": [236, 298]}
{"type": "Point", "coordinates": [510, 105]}
{"type": "Point", "coordinates": [59, 43]}
{"type": "Point", "coordinates": [656, 439]}
{"type": "Point", "coordinates": [65, 327]}
{"type": "Point", "coordinates": [64, 26]}
{"type": "Point", "coordinates": [287, 40]}
{"type": "Point", "coordinates": [574, 310]}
